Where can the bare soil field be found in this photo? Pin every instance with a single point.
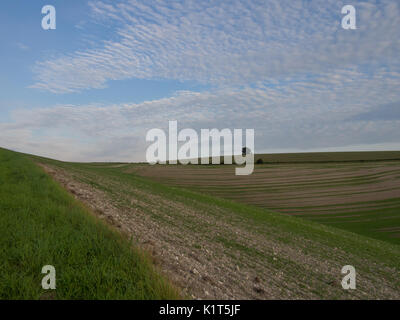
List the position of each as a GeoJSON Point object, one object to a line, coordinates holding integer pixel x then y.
{"type": "Point", "coordinates": [331, 193]}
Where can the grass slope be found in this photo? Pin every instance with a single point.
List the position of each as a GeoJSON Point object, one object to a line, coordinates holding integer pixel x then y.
{"type": "Point", "coordinates": [292, 257]}
{"type": "Point", "coordinates": [42, 224]}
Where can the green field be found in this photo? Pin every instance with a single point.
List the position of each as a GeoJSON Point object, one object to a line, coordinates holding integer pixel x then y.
{"type": "Point", "coordinates": [221, 249]}
{"type": "Point", "coordinates": [209, 247]}
{"type": "Point", "coordinates": [41, 224]}
{"type": "Point", "coordinates": [358, 156]}
{"type": "Point", "coordinates": [321, 157]}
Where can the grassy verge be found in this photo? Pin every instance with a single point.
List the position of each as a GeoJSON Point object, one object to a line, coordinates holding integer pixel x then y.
{"type": "Point", "coordinates": [41, 224]}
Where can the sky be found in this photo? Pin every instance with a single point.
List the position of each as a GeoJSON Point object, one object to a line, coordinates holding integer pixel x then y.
{"type": "Point", "coordinates": [112, 70]}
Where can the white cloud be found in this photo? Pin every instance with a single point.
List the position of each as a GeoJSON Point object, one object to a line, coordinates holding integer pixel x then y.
{"type": "Point", "coordinates": [226, 43]}
{"type": "Point", "coordinates": [285, 68]}
{"type": "Point", "coordinates": [299, 114]}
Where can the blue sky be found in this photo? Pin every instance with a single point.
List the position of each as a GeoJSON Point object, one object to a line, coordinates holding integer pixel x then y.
{"type": "Point", "coordinates": [24, 42]}
{"type": "Point", "coordinates": [112, 70]}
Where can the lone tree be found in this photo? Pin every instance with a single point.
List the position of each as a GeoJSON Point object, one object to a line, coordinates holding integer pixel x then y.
{"type": "Point", "coordinates": [245, 151]}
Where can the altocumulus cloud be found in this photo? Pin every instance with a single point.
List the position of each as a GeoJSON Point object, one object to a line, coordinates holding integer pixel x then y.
{"type": "Point", "coordinates": [285, 68]}
{"type": "Point", "coordinates": [235, 42]}
{"type": "Point", "coordinates": [300, 114]}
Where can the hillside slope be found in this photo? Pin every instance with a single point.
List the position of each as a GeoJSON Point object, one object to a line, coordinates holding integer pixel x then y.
{"type": "Point", "coordinates": [218, 249]}
{"type": "Point", "coordinates": [41, 224]}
